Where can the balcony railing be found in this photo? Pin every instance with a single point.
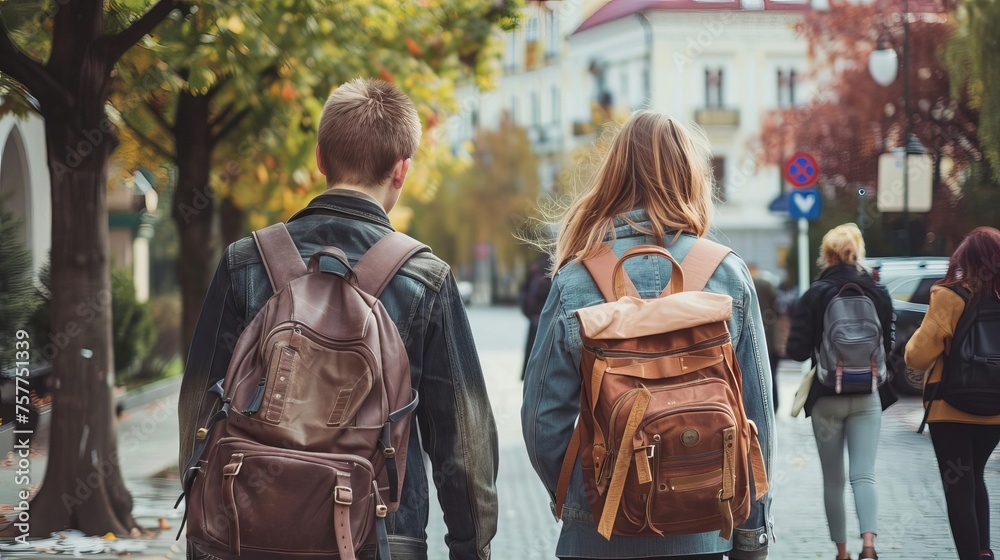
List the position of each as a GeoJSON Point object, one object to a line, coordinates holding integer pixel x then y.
{"type": "Point", "coordinates": [717, 116]}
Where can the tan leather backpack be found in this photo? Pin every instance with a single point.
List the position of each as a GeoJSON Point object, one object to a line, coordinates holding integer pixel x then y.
{"type": "Point", "coordinates": [305, 453]}
{"type": "Point", "coordinates": [663, 439]}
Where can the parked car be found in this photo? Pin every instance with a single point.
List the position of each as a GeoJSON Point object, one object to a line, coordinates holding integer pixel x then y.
{"type": "Point", "coordinates": [908, 280]}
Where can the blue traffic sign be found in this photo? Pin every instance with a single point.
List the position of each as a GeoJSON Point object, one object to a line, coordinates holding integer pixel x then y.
{"type": "Point", "coordinates": [804, 203]}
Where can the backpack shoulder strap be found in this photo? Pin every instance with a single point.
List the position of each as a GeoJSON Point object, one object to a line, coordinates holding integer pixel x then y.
{"type": "Point", "coordinates": [962, 292]}
{"type": "Point", "coordinates": [282, 260]}
{"type": "Point", "coordinates": [379, 265]}
{"type": "Point", "coordinates": [601, 267]}
{"type": "Point", "coordinates": [700, 263]}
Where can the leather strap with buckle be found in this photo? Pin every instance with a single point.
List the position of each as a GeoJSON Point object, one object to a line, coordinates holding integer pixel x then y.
{"type": "Point", "coordinates": [343, 497]}
{"type": "Point", "coordinates": [229, 473]}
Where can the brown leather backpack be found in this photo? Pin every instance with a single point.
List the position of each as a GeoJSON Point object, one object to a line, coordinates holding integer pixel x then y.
{"type": "Point", "coordinates": [305, 453]}
{"type": "Point", "coordinates": [664, 442]}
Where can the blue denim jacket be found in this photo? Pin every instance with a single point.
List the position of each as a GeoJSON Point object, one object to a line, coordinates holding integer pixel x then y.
{"type": "Point", "coordinates": [454, 418]}
{"type": "Point", "coordinates": [552, 402]}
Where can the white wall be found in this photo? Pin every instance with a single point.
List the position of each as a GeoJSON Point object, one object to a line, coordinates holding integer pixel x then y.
{"type": "Point", "coordinates": [29, 163]}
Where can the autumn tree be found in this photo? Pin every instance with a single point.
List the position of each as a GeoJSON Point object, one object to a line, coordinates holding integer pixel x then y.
{"type": "Point", "coordinates": [491, 200]}
{"type": "Point", "coordinates": [232, 97]}
{"type": "Point", "coordinates": [852, 120]}
{"type": "Point", "coordinates": [57, 60]}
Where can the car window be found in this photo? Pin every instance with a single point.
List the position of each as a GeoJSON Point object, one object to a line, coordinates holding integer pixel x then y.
{"type": "Point", "coordinates": [904, 290]}
{"type": "Point", "coordinates": [923, 292]}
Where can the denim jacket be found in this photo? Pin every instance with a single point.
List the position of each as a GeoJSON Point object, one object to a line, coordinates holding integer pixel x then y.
{"type": "Point", "coordinates": [552, 403]}
{"type": "Point", "coordinates": [454, 418]}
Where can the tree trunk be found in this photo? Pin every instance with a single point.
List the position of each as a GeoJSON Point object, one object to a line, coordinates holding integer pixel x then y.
{"type": "Point", "coordinates": [193, 209]}
{"type": "Point", "coordinates": [232, 221]}
{"type": "Point", "coordinates": [83, 487]}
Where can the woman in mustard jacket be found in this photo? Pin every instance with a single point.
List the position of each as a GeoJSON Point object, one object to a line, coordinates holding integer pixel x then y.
{"type": "Point", "coordinates": [960, 438]}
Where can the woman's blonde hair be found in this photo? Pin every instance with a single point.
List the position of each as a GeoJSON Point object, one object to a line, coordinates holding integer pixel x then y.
{"type": "Point", "coordinates": [842, 244]}
{"type": "Point", "coordinates": [653, 163]}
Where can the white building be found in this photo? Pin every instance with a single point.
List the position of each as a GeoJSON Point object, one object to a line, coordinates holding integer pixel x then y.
{"type": "Point", "coordinates": [720, 64]}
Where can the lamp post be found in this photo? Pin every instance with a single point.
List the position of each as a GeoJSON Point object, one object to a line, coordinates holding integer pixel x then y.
{"type": "Point", "coordinates": [883, 67]}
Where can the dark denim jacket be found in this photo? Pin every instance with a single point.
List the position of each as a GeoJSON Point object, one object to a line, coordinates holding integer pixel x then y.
{"type": "Point", "coordinates": [552, 397]}
{"type": "Point", "coordinates": [454, 418]}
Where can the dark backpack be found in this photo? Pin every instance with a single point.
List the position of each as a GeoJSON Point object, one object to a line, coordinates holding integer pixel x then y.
{"type": "Point", "coordinates": [851, 354]}
{"type": "Point", "coordinates": [305, 454]}
{"type": "Point", "coordinates": [971, 378]}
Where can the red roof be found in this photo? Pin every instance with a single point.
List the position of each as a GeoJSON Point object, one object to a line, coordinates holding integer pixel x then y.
{"type": "Point", "coordinates": [617, 9]}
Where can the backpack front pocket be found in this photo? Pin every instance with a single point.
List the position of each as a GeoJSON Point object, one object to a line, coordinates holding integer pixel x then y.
{"type": "Point", "coordinates": [276, 499]}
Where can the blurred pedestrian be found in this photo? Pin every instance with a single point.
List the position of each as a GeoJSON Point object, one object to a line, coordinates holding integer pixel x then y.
{"type": "Point", "coordinates": [854, 418]}
{"type": "Point", "coordinates": [767, 297]}
{"type": "Point", "coordinates": [533, 295]}
{"type": "Point", "coordinates": [653, 187]}
{"type": "Point", "coordinates": [958, 342]}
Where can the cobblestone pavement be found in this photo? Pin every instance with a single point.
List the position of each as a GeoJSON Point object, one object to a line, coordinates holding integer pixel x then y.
{"type": "Point", "coordinates": [912, 519]}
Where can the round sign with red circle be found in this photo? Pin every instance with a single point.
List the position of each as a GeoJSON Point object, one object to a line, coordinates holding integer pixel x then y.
{"type": "Point", "coordinates": [801, 170]}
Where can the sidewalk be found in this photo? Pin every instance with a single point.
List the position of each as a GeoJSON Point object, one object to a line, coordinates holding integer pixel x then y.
{"type": "Point", "coordinates": [147, 445]}
{"type": "Point", "coordinates": [912, 519]}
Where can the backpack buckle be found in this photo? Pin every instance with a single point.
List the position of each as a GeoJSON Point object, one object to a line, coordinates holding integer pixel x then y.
{"type": "Point", "coordinates": [343, 495]}
{"type": "Point", "coordinates": [389, 451]}
{"type": "Point", "coordinates": [234, 466]}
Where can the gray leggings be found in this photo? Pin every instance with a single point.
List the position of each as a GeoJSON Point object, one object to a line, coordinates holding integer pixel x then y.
{"type": "Point", "coordinates": [856, 418]}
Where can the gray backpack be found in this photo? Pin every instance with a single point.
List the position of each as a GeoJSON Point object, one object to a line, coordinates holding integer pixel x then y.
{"type": "Point", "coordinates": [851, 355]}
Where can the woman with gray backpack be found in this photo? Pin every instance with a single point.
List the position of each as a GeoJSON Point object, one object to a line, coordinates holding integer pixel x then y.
{"type": "Point", "coordinates": [958, 344]}
{"type": "Point", "coordinates": [844, 324]}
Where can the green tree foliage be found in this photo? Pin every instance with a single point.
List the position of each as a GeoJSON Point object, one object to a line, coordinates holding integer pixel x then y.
{"type": "Point", "coordinates": [16, 287]}
{"type": "Point", "coordinates": [133, 332]}
{"type": "Point", "coordinates": [232, 96]}
{"type": "Point", "coordinates": [970, 58]}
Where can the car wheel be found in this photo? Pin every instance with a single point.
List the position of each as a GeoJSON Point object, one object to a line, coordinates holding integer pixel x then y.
{"type": "Point", "coordinates": [905, 380]}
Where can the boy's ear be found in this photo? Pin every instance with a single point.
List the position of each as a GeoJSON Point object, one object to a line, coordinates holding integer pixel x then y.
{"type": "Point", "coordinates": [319, 162]}
{"type": "Point", "coordinates": [399, 172]}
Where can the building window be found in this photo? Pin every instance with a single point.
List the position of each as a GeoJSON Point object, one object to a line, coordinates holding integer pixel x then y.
{"type": "Point", "coordinates": [513, 109]}
{"type": "Point", "coordinates": [510, 56]}
{"type": "Point", "coordinates": [531, 30]}
{"type": "Point", "coordinates": [719, 176]}
{"type": "Point", "coordinates": [713, 88]}
{"type": "Point", "coordinates": [556, 109]}
{"type": "Point", "coordinates": [551, 34]}
{"type": "Point", "coordinates": [787, 81]}
{"type": "Point", "coordinates": [535, 116]}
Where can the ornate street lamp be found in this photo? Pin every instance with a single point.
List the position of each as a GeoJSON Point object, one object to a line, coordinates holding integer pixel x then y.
{"type": "Point", "coordinates": [883, 64]}
{"type": "Point", "coordinates": [883, 67]}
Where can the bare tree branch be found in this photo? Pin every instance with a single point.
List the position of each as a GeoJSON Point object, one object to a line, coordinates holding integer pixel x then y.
{"type": "Point", "coordinates": [157, 115]}
{"type": "Point", "coordinates": [122, 41]}
{"type": "Point", "coordinates": [222, 115]}
{"type": "Point", "coordinates": [31, 74]}
{"type": "Point", "coordinates": [228, 127]}
{"type": "Point", "coordinates": [147, 141]}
